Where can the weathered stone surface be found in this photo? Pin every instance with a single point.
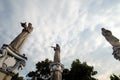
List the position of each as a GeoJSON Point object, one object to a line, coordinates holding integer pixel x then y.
{"type": "Point", "coordinates": [56, 76]}
{"type": "Point", "coordinates": [10, 62]}
{"type": "Point", "coordinates": [10, 59]}
{"type": "Point", "coordinates": [4, 76]}
{"type": "Point", "coordinates": [17, 43]}
{"type": "Point", "coordinates": [113, 41]}
{"type": "Point", "coordinates": [56, 67]}
{"type": "Point", "coordinates": [57, 53]}
{"type": "Point", "coordinates": [110, 38]}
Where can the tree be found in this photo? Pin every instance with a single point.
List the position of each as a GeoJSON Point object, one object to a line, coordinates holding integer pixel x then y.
{"type": "Point", "coordinates": [114, 77]}
{"type": "Point", "coordinates": [32, 74]}
{"type": "Point", "coordinates": [66, 74]}
{"type": "Point", "coordinates": [17, 77]}
{"type": "Point", "coordinates": [42, 70]}
{"type": "Point", "coordinates": [79, 71]}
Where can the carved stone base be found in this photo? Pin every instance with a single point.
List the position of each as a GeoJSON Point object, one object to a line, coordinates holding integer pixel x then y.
{"type": "Point", "coordinates": [56, 71]}
{"type": "Point", "coordinates": [56, 75]}
{"type": "Point", "coordinates": [4, 76]}
{"type": "Point", "coordinates": [11, 62]}
{"type": "Point", "coordinates": [116, 53]}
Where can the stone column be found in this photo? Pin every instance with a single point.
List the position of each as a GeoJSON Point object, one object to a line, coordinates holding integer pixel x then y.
{"type": "Point", "coordinates": [10, 59]}
{"type": "Point", "coordinates": [56, 67]}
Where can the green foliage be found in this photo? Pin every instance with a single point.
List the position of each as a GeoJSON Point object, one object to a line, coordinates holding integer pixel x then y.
{"type": "Point", "coordinates": [114, 77]}
{"type": "Point", "coordinates": [16, 77]}
{"type": "Point", "coordinates": [66, 74]}
{"type": "Point", "coordinates": [31, 74]}
{"type": "Point", "coordinates": [79, 71]}
{"type": "Point", "coordinates": [42, 70]}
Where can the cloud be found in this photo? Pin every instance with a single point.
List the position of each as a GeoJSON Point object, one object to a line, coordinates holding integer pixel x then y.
{"type": "Point", "coordinates": [74, 24]}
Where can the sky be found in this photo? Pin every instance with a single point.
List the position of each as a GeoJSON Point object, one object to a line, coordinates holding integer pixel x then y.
{"type": "Point", "coordinates": [74, 24]}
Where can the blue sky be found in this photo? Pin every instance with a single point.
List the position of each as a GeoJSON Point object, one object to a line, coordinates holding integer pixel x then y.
{"type": "Point", "coordinates": [74, 24]}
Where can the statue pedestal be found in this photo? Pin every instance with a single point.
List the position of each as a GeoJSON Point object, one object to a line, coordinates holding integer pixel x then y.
{"type": "Point", "coordinates": [56, 67]}
{"type": "Point", "coordinates": [4, 76]}
{"type": "Point", "coordinates": [10, 59]}
{"type": "Point", "coordinates": [10, 62]}
{"type": "Point", "coordinates": [56, 71]}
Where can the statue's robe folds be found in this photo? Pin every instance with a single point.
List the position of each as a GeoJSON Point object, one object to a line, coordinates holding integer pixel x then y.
{"type": "Point", "coordinates": [56, 66]}
{"type": "Point", "coordinates": [57, 53]}
{"type": "Point", "coordinates": [17, 43]}
{"type": "Point", "coordinates": [113, 41]}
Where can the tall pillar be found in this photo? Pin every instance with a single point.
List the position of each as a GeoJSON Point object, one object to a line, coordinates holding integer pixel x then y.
{"type": "Point", "coordinates": [10, 59]}
{"type": "Point", "coordinates": [56, 67]}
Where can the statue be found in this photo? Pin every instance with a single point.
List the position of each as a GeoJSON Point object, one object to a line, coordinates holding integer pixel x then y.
{"type": "Point", "coordinates": [17, 43]}
{"type": "Point", "coordinates": [10, 58]}
{"type": "Point", "coordinates": [113, 41]}
{"type": "Point", "coordinates": [56, 67]}
{"type": "Point", "coordinates": [57, 53]}
{"type": "Point", "coordinates": [110, 38]}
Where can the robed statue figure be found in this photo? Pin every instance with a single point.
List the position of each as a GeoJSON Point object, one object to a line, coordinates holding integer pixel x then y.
{"type": "Point", "coordinates": [17, 43]}
{"type": "Point", "coordinates": [113, 41]}
{"type": "Point", "coordinates": [57, 53]}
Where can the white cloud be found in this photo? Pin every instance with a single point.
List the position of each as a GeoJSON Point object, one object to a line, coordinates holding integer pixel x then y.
{"type": "Point", "coordinates": [74, 24]}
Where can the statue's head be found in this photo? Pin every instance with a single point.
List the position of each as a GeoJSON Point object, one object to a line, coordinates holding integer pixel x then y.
{"type": "Point", "coordinates": [30, 28]}
{"type": "Point", "coordinates": [106, 32]}
{"type": "Point", "coordinates": [29, 24]}
{"type": "Point", "coordinates": [57, 47]}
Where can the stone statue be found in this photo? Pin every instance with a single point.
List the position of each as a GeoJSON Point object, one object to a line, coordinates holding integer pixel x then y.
{"type": "Point", "coordinates": [56, 68]}
{"type": "Point", "coordinates": [17, 43]}
{"type": "Point", "coordinates": [113, 41]}
{"type": "Point", "coordinates": [110, 38]}
{"type": "Point", "coordinates": [10, 59]}
{"type": "Point", "coordinates": [57, 53]}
